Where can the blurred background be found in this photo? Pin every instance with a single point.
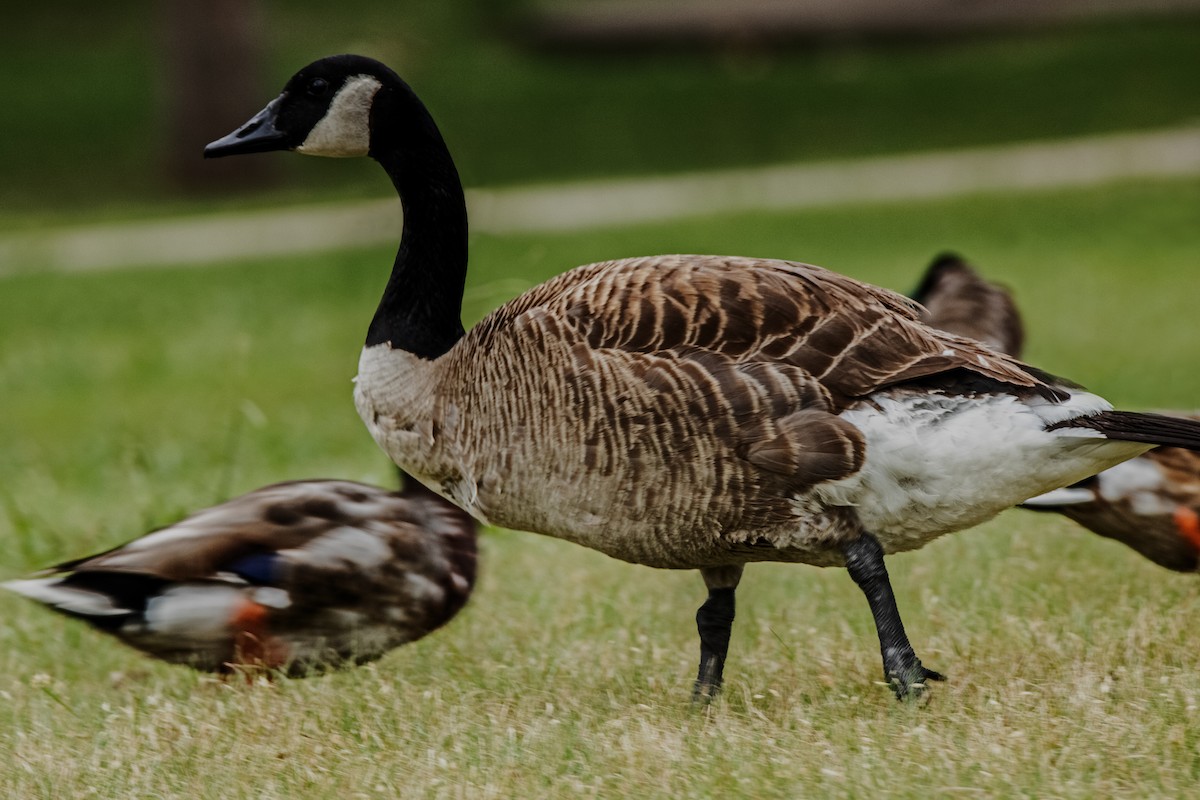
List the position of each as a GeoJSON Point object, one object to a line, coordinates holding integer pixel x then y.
{"type": "Point", "coordinates": [122, 97]}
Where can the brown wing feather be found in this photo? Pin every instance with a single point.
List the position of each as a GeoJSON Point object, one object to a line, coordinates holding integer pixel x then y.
{"type": "Point", "coordinates": [851, 337]}
{"type": "Point", "coordinates": [811, 446]}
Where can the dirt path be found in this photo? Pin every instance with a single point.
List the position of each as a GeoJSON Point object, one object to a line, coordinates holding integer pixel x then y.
{"type": "Point", "coordinates": [223, 237]}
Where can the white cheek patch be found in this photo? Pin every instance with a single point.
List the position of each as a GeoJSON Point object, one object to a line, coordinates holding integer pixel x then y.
{"type": "Point", "coordinates": [345, 130]}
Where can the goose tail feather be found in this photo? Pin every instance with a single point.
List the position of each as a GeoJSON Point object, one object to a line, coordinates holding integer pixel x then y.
{"type": "Point", "coordinates": [1146, 428]}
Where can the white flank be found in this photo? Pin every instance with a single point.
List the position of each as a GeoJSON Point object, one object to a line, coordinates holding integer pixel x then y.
{"type": "Point", "coordinates": [937, 464]}
{"type": "Point", "coordinates": [345, 130]}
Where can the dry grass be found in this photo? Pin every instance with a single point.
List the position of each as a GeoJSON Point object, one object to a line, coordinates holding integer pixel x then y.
{"type": "Point", "coordinates": [574, 680]}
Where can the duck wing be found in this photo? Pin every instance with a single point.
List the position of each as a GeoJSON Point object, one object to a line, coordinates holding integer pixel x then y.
{"type": "Point", "coordinates": [274, 518]}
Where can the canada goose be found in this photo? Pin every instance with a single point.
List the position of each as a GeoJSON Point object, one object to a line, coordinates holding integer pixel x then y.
{"type": "Point", "coordinates": [300, 576]}
{"type": "Point", "coordinates": [686, 412]}
{"type": "Point", "coordinates": [956, 299]}
{"type": "Point", "coordinates": [1150, 503]}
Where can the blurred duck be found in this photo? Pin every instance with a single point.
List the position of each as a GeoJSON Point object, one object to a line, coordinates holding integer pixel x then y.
{"type": "Point", "coordinates": [1150, 503]}
{"type": "Point", "coordinates": [298, 577]}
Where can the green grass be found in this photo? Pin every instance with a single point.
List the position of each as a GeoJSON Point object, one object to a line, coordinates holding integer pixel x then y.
{"type": "Point", "coordinates": [84, 93]}
{"type": "Point", "coordinates": [132, 397]}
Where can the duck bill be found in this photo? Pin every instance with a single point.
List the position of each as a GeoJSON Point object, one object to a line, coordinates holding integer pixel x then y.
{"type": "Point", "coordinates": [259, 135]}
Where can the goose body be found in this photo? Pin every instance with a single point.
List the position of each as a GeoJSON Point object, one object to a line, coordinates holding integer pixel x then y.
{"type": "Point", "coordinates": [1150, 503]}
{"type": "Point", "coordinates": [299, 576]}
{"type": "Point", "coordinates": [686, 411]}
{"type": "Point", "coordinates": [665, 450]}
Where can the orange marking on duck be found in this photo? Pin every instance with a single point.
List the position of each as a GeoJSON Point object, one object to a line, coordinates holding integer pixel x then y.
{"type": "Point", "coordinates": [250, 617]}
{"type": "Point", "coordinates": [253, 645]}
{"type": "Point", "coordinates": [1187, 522]}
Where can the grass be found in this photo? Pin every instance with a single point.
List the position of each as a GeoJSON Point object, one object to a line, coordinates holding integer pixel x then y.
{"type": "Point", "coordinates": [84, 97]}
{"type": "Point", "coordinates": [576, 684]}
{"type": "Point", "coordinates": [133, 397]}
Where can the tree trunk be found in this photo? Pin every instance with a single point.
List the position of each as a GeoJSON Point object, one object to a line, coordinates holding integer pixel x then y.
{"type": "Point", "coordinates": [213, 80]}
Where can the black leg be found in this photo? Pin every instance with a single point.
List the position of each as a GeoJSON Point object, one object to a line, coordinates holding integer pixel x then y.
{"type": "Point", "coordinates": [901, 667]}
{"type": "Point", "coordinates": [714, 621]}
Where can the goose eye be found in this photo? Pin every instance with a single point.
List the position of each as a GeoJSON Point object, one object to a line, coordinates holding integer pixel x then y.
{"type": "Point", "coordinates": [318, 87]}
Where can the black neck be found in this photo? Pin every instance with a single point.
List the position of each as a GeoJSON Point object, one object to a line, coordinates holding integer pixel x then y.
{"type": "Point", "coordinates": [421, 308]}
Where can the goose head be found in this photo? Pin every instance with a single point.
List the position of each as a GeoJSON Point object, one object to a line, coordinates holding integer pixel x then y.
{"type": "Point", "coordinates": [326, 109]}
{"type": "Point", "coordinates": [346, 106]}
